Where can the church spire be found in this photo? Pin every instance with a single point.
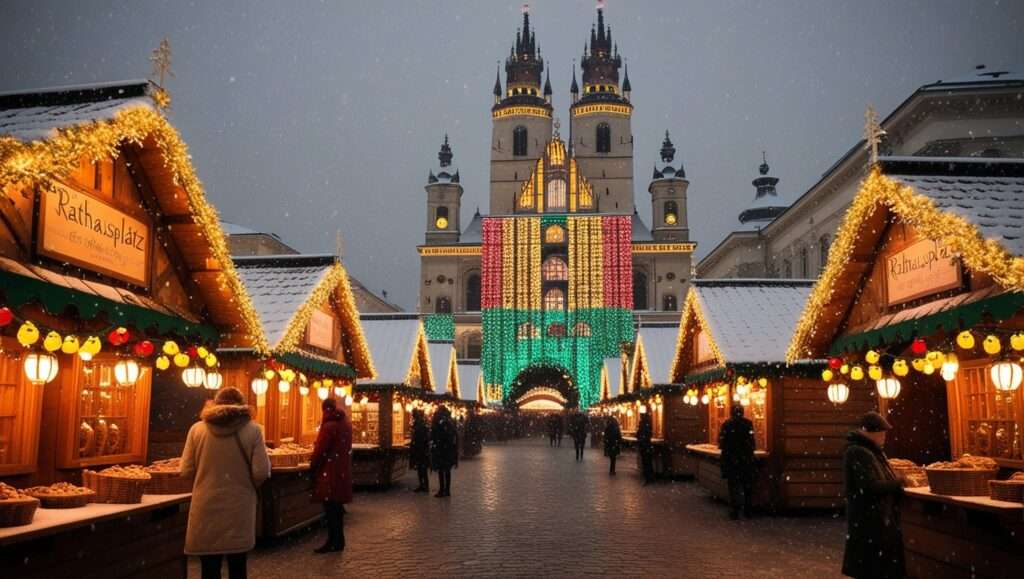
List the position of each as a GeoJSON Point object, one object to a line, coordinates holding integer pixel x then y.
{"type": "Point", "coordinates": [445, 155]}
{"type": "Point", "coordinates": [497, 84]}
{"type": "Point", "coordinates": [523, 68]}
{"type": "Point", "coordinates": [668, 150]}
{"type": "Point", "coordinates": [601, 64]}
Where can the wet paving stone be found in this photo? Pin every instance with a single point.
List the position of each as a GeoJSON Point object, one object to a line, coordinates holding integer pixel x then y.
{"type": "Point", "coordinates": [527, 510]}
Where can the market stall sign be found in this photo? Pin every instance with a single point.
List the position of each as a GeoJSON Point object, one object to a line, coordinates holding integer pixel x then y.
{"type": "Point", "coordinates": [925, 268]}
{"type": "Point", "coordinates": [84, 231]}
{"type": "Point", "coordinates": [320, 332]}
{"type": "Point", "coordinates": [704, 352]}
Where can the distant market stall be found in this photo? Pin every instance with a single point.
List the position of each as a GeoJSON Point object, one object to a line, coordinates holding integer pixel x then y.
{"type": "Point", "coordinates": [731, 349]}
{"type": "Point", "coordinates": [316, 350]}
{"type": "Point", "coordinates": [115, 288]}
{"type": "Point", "coordinates": [921, 307]}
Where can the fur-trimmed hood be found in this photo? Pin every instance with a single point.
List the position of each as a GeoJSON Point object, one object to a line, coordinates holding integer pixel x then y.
{"type": "Point", "coordinates": [226, 419]}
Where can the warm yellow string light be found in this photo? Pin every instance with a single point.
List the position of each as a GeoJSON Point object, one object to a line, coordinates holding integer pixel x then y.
{"type": "Point", "coordinates": [692, 311]}
{"type": "Point", "coordinates": [980, 255]}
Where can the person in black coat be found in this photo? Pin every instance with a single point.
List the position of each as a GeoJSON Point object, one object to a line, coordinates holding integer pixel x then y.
{"type": "Point", "coordinates": [644, 442]}
{"type": "Point", "coordinates": [444, 449]}
{"type": "Point", "coordinates": [419, 450]}
{"type": "Point", "coordinates": [736, 441]}
{"type": "Point", "coordinates": [559, 429]}
{"type": "Point", "coordinates": [551, 429]}
{"type": "Point", "coordinates": [874, 541]}
{"type": "Point", "coordinates": [578, 432]}
{"type": "Point", "coordinates": [612, 441]}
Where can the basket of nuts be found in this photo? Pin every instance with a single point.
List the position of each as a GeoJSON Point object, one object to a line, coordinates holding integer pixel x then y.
{"type": "Point", "coordinates": [16, 507]}
{"type": "Point", "coordinates": [966, 477]}
{"type": "Point", "coordinates": [166, 479]}
{"type": "Point", "coordinates": [117, 484]}
{"type": "Point", "coordinates": [61, 495]}
{"type": "Point", "coordinates": [1011, 489]}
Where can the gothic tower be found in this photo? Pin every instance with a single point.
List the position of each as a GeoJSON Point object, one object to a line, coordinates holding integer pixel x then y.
{"type": "Point", "coordinates": [668, 198]}
{"type": "Point", "coordinates": [444, 198]}
{"type": "Point", "coordinates": [600, 124]}
{"type": "Point", "coordinates": [521, 119]}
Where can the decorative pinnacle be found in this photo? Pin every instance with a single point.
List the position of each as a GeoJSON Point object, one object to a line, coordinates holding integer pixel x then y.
{"type": "Point", "coordinates": [668, 150]}
{"type": "Point", "coordinates": [445, 155]}
{"type": "Point", "coordinates": [763, 169]}
{"type": "Point", "coordinates": [872, 134]}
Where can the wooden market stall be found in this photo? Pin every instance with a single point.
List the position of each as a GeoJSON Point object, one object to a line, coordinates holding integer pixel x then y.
{"type": "Point", "coordinates": [731, 348]}
{"type": "Point", "coordinates": [470, 394]}
{"type": "Point", "coordinates": [316, 349]}
{"type": "Point", "coordinates": [924, 293]}
{"type": "Point", "coordinates": [115, 286]}
{"type": "Point", "coordinates": [382, 407]}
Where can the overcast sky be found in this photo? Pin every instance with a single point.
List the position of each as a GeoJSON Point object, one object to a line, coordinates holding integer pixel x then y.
{"type": "Point", "coordinates": [304, 118]}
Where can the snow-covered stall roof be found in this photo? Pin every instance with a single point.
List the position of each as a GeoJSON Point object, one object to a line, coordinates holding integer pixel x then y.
{"type": "Point", "coordinates": [442, 356]}
{"type": "Point", "coordinates": [469, 381]}
{"type": "Point", "coordinates": [279, 285]}
{"type": "Point", "coordinates": [613, 375]}
{"type": "Point", "coordinates": [751, 320]}
{"type": "Point", "coordinates": [393, 341]}
{"type": "Point", "coordinates": [655, 348]}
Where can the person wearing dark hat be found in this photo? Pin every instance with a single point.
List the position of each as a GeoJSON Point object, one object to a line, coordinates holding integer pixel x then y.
{"type": "Point", "coordinates": [736, 441]}
{"type": "Point", "coordinates": [874, 541]}
{"type": "Point", "coordinates": [226, 455]}
{"type": "Point", "coordinates": [419, 450]}
{"type": "Point", "coordinates": [331, 467]}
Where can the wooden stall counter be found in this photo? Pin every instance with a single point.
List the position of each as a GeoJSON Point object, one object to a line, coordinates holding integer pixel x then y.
{"type": "Point", "coordinates": [948, 536]}
{"type": "Point", "coordinates": [286, 503]}
{"type": "Point", "coordinates": [373, 466]}
{"type": "Point", "coordinates": [100, 540]}
{"type": "Point", "coordinates": [709, 474]}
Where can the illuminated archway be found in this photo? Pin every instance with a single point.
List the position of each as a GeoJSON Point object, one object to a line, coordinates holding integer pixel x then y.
{"type": "Point", "coordinates": [543, 387]}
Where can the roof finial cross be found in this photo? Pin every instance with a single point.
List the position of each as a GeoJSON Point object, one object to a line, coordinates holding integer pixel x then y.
{"type": "Point", "coordinates": [161, 59]}
{"type": "Point", "coordinates": [872, 134]}
{"type": "Point", "coordinates": [338, 246]}
{"type": "Point", "coordinates": [558, 125]}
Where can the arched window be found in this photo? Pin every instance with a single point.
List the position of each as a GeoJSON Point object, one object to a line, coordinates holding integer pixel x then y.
{"type": "Point", "coordinates": [556, 195]}
{"type": "Point", "coordinates": [556, 330]}
{"type": "Point", "coordinates": [671, 213]}
{"type": "Point", "coordinates": [604, 138]}
{"type": "Point", "coordinates": [639, 290]}
{"type": "Point", "coordinates": [554, 299]}
{"type": "Point", "coordinates": [443, 305]}
{"type": "Point", "coordinates": [668, 303]}
{"type": "Point", "coordinates": [554, 234]}
{"type": "Point", "coordinates": [519, 141]}
{"type": "Point", "coordinates": [473, 293]}
{"type": "Point", "coordinates": [823, 246]}
{"type": "Point", "coordinates": [526, 330]}
{"type": "Point", "coordinates": [787, 269]}
{"type": "Point", "coordinates": [581, 329]}
{"type": "Point", "coordinates": [805, 269]}
{"type": "Point", "coordinates": [554, 269]}
{"type": "Point", "coordinates": [441, 218]}
{"type": "Point", "coordinates": [473, 346]}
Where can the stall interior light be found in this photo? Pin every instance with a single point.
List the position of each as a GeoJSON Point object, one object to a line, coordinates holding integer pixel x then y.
{"type": "Point", "coordinates": [1006, 376]}
{"type": "Point", "coordinates": [888, 388]}
{"type": "Point", "coordinates": [304, 390]}
{"type": "Point", "coordinates": [284, 386]}
{"type": "Point", "coordinates": [323, 393]}
{"type": "Point", "coordinates": [214, 380]}
{"type": "Point", "coordinates": [259, 385]}
{"type": "Point", "coordinates": [348, 400]}
{"type": "Point", "coordinates": [41, 368]}
{"type": "Point", "coordinates": [838, 393]}
{"type": "Point", "coordinates": [126, 372]}
{"type": "Point", "coordinates": [339, 391]}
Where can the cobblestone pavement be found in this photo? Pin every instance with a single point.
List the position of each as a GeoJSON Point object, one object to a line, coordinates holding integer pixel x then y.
{"type": "Point", "coordinates": [527, 510]}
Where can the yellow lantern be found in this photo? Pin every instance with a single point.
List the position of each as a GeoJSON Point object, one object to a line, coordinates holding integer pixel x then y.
{"type": "Point", "coordinates": [827, 375]}
{"type": "Point", "coordinates": [213, 380]}
{"type": "Point", "coordinates": [202, 352]}
{"type": "Point", "coordinates": [126, 372]}
{"type": "Point", "coordinates": [857, 373]}
{"type": "Point", "coordinates": [211, 360]}
{"type": "Point", "coordinates": [888, 388]}
{"type": "Point", "coordinates": [844, 369]}
{"type": "Point", "coordinates": [171, 348]}
{"type": "Point", "coordinates": [268, 374]}
{"type": "Point", "coordinates": [322, 393]}
{"type": "Point", "coordinates": [162, 363]}
{"type": "Point", "coordinates": [70, 345]}
{"type": "Point", "coordinates": [872, 357]}
{"type": "Point", "coordinates": [28, 334]}
{"type": "Point", "coordinates": [900, 368]}
{"type": "Point", "coordinates": [965, 340]}
{"type": "Point", "coordinates": [991, 345]}
{"type": "Point", "coordinates": [875, 372]}
{"type": "Point", "coordinates": [918, 364]}
{"type": "Point", "coordinates": [40, 369]}
{"type": "Point", "coordinates": [1006, 376]}
{"type": "Point", "coordinates": [284, 386]}
{"type": "Point", "coordinates": [838, 393]}
{"type": "Point", "coordinates": [1017, 341]}
{"type": "Point", "coordinates": [52, 342]}
{"type": "Point", "coordinates": [181, 359]}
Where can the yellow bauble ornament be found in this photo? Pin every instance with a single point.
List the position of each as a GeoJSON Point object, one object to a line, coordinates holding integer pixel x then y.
{"type": "Point", "coordinates": [328, 382]}
{"type": "Point", "coordinates": [28, 334]}
{"type": "Point", "coordinates": [162, 363]}
{"type": "Point", "coordinates": [872, 357]}
{"type": "Point", "coordinates": [762, 382]}
{"type": "Point", "coordinates": [991, 345]}
{"type": "Point", "coordinates": [211, 360]}
{"type": "Point", "coordinates": [844, 369]}
{"type": "Point", "coordinates": [1017, 341]}
{"type": "Point", "coordinates": [181, 359]}
{"type": "Point", "coordinates": [317, 384]}
{"type": "Point", "coordinates": [918, 364]}
{"type": "Point", "coordinates": [827, 375]}
{"type": "Point", "coordinates": [202, 352]}
{"type": "Point", "coordinates": [92, 345]}
{"type": "Point", "coordinates": [965, 340]}
{"type": "Point", "coordinates": [268, 374]}
{"type": "Point", "coordinates": [856, 373]}
{"type": "Point", "coordinates": [70, 345]}
{"type": "Point", "coordinates": [900, 368]}
{"type": "Point", "coordinates": [875, 372]}
{"type": "Point", "coordinates": [52, 342]}
{"type": "Point", "coordinates": [171, 348]}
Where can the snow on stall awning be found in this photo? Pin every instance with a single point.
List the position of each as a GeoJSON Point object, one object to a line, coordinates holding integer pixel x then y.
{"type": "Point", "coordinates": [392, 342]}
{"type": "Point", "coordinates": [659, 349]}
{"type": "Point", "coordinates": [280, 285]}
{"type": "Point", "coordinates": [442, 355]}
{"type": "Point", "coordinates": [613, 370]}
{"type": "Point", "coordinates": [752, 320]}
{"type": "Point", "coordinates": [469, 381]}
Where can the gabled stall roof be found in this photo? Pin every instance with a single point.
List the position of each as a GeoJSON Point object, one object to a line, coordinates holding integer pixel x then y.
{"type": "Point", "coordinates": [746, 321]}
{"type": "Point", "coordinates": [611, 378]}
{"type": "Point", "coordinates": [443, 368]}
{"type": "Point", "coordinates": [44, 134]}
{"type": "Point", "coordinates": [975, 205]}
{"type": "Point", "coordinates": [471, 383]}
{"type": "Point", "coordinates": [652, 356]}
{"type": "Point", "coordinates": [287, 289]}
{"type": "Point", "coordinates": [398, 344]}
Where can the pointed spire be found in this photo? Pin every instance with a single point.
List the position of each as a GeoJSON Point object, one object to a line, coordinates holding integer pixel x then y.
{"type": "Point", "coordinates": [600, 23]}
{"type": "Point", "coordinates": [574, 88]}
{"type": "Point", "coordinates": [626, 87]}
{"type": "Point", "coordinates": [547, 84]}
{"type": "Point", "coordinates": [445, 155]}
{"type": "Point", "coordinates": [668, 150]}
{"type": "Point", "coordinates": [497, 82]}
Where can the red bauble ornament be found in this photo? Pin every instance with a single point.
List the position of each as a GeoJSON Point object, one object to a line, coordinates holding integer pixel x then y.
{"type": "Point", "coordinates": [835, 363]}
{"type": "Point", "coordinates": [144, 349]}
{"type": "Point", "coordinates": [192, 352]}
{"type": "Point", "coordinates": [118, 336]}
{"type": "Point", "coordinates": [6, 316]}
{"type": "Point", "coordinates": [919, 347]}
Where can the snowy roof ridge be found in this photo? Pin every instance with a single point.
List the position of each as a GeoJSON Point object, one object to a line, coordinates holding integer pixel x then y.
{"type": "Point", "coordinates": [392, 343]}
{"type": "Point", "coordinates": [659, 347]}
{"type": "Point", "coordinates": [279, 287]}
{"type": "Point", "coordinates": [442, 354]}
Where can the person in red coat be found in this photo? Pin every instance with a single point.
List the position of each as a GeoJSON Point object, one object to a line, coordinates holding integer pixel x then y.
{"type": "Point", "coordinates": [332, 472]}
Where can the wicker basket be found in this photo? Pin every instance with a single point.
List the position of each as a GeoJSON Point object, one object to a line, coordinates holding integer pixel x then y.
{"type": "Point", "coordinates": [52, 501]}
{"type": "Point", "coordinates": [284, 460]}
{"type": "Point", "coordinates": [963, 482]}
{"type": "Point", "coordinates": [1007, 490]}
{"type": "Point", "coordinates": [168, 483]}
{"type": "Point", "coordinates": [17, 512]}
{"type": "Point", "coordinates": [114, 489]}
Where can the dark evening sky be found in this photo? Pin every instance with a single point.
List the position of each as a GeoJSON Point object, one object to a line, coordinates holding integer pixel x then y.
{"type": "Point", "coordinates": [304, 118]}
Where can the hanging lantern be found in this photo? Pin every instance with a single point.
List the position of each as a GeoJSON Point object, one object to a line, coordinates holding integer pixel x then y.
{"type": "Point", "coordinates": [888, 388]}
{"type": "Point", "coordinates": [1006, 376]}
{"type": "Point", "coordinates": [339, 391]}
{"type": "Point", "coordinates": [259, 385]}
{"type": "Point", "coordinates": [705, 399]}
{"type": "Point", "coordinates": [322, 393]}
{"type": "Point", "coordinates": [126, 372]}
{"type": "Point", "coordinates": [643, 409]}
{"type": "Point", "coordinates": [284, 386]}
{"type": "Point", "coordinates": [950, 367]}
{"type": "Point", "coordinates": [85, 356]}
{"type": "Point", "coordinates": [193, 376]}
{"type": "Point", "coordinates": [41, 368]}
{"type": "Point", "coordinates": [213, 380]}
{"type": "Point", "coordinates": [838, 393]}
{"type": "Point", "coordinates": [304, 390]}
{"type": "Point", "coordinates": [348, 400]}
{"type": "Point", "coordinates": [364, 400]}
